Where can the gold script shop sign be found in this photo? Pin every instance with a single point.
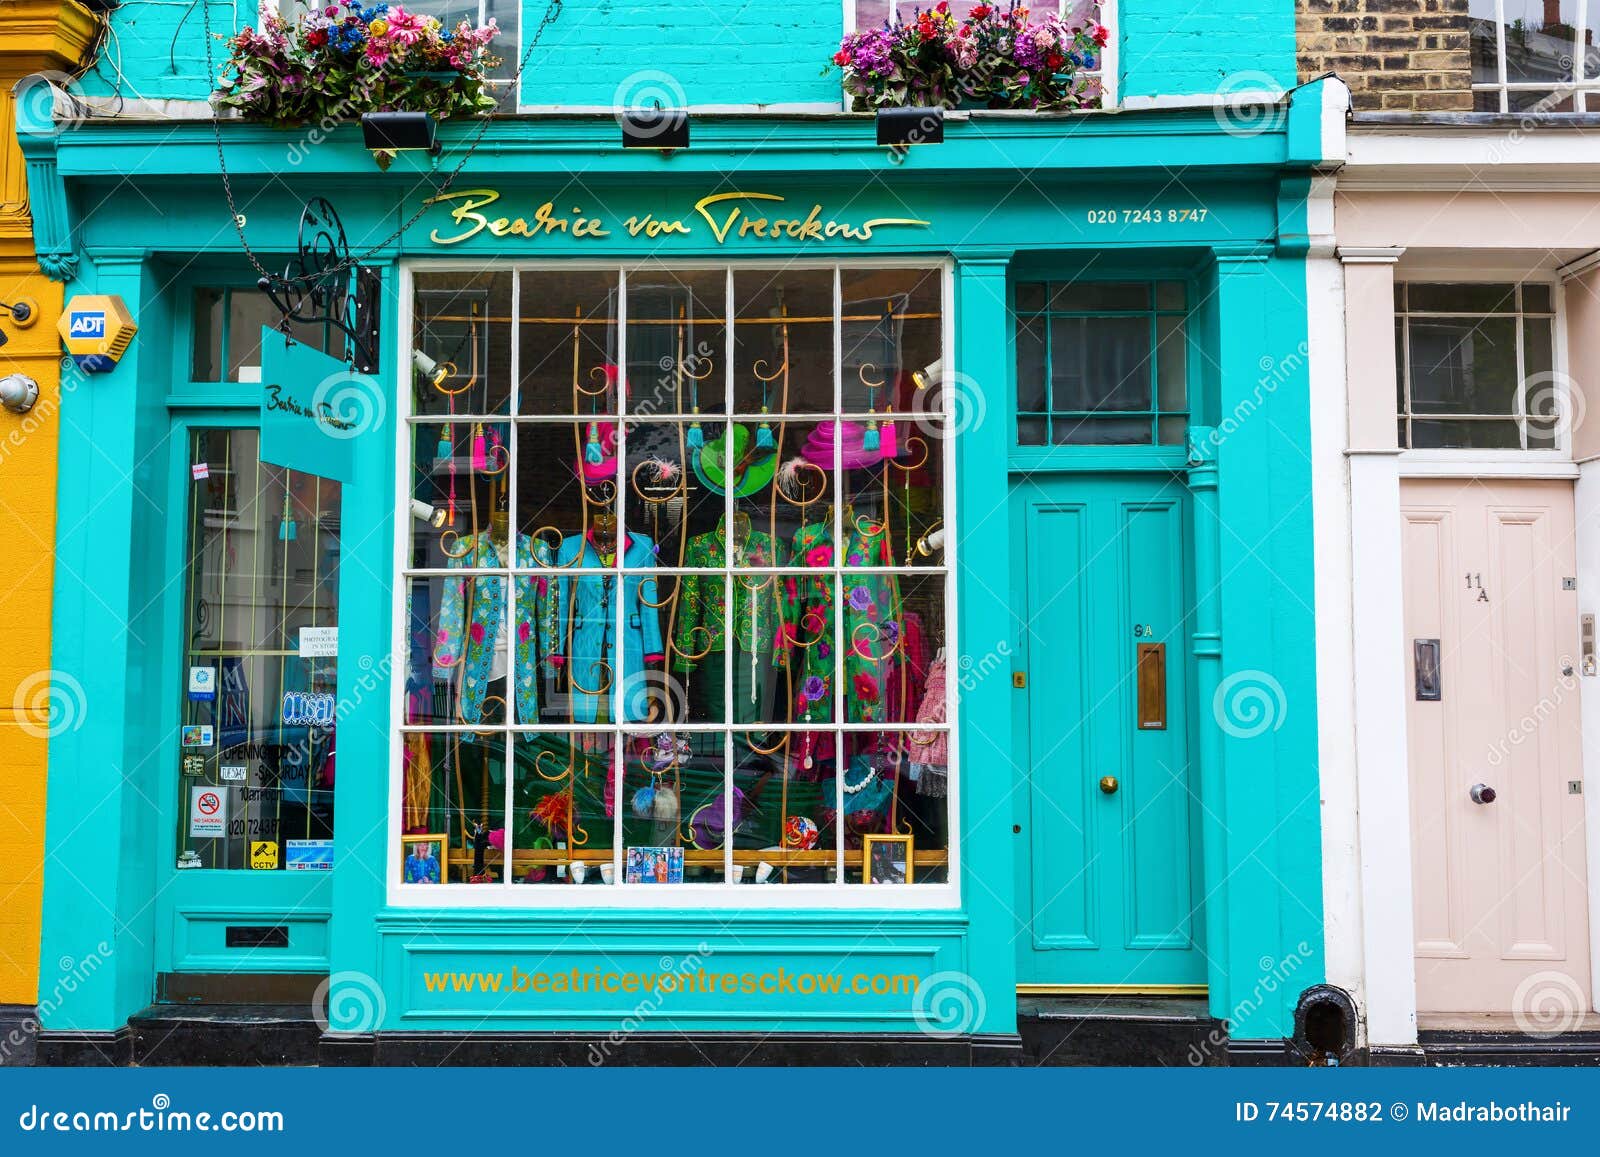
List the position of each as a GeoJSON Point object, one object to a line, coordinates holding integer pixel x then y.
{"type": "Point", "coordinates": [729, 216]}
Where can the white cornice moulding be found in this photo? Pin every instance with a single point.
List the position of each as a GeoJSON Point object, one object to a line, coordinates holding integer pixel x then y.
{"type": "Point", "coordinates": [1370, 254]}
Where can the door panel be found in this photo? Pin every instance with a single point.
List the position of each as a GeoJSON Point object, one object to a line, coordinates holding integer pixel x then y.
{"type": "Point", "coordinates": [1500, 893]}
{"type": "Point", "coordinates": [1102, 565]}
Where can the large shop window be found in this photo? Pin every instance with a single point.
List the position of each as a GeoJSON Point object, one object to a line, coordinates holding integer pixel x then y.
{"type": "Point", "coordinates": [1476, 367]}
{"type": "Point", "coordinates": [261, 612]}
{"type": "Point", "coordinates": [1535, 55]}
{"type": "Point", "coordinates": [674, 598]}
{"type": "Point", "coordinates": [1102, 363]}
{"type": "Point", "coordinates": [1077, 14]}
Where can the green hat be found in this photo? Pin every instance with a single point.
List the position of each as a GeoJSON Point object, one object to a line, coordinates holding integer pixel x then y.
{"type": "Point", "coordinates": [757, 472]}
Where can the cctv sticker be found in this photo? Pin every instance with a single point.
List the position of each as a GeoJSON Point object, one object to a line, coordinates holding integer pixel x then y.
{"type": "Point", "coordinates": [200, 471]}
{"type": "Point", "coordinates": [202, 684]}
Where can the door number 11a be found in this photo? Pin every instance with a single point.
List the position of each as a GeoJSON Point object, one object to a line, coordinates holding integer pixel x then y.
{"type": "Point", "coordinates": [1475, 583]}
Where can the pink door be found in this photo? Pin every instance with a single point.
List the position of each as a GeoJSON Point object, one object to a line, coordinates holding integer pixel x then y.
{"type": "Point", "coordinates": [1497, 822]}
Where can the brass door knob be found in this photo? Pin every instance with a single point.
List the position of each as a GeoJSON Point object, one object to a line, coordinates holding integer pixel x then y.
{"type": "Point", "coordinates": [1108, 784]}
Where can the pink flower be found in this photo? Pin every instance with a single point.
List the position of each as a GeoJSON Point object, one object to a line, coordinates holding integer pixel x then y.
{"type": "Point", "coordinates": [1099, 34]}
{"type": "Point", "coordinates": [476, 632]}
{"type": "Point", "coordinates": [377, 52]}
{"type": "Point", "coordinates": [524, 632]}
{"type": "Point", "coordinates": [819, 556]}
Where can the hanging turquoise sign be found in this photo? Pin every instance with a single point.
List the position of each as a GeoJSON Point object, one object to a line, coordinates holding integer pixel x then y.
{"type": "Point", "coordinates": [314, 408]}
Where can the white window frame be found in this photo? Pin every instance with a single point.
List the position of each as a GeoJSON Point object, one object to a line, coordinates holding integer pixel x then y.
{"type": "Point", "coordinates": [687, 896]}
{"type": "Point", "coordinates": [1107, 72]}
{"type": "Point", "coordinates": [1508, 462]}
{"type": "Point", "coordinates": [1577, 88]}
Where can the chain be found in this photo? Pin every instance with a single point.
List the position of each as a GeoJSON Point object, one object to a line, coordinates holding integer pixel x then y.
{"type": "Point", "coordinates": [552, 10]}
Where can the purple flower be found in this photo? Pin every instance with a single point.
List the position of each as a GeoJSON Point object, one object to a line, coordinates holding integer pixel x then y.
{"type": "Point", "coordinates": [814, 688]}
{"type": "Point", "coordinates": [890, 632]}
{"type": "Point", "coordinates": [860, 598]}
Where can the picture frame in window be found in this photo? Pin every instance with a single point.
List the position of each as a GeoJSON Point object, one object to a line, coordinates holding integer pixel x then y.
{"type": "Point", "coordinates": [887, 859]}
{"type": "Point", "coordinates": [429, 863]}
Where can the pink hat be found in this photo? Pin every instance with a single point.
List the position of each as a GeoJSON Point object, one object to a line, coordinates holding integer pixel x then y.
{"type": "Point", "coordinates": [853, 452]}
{"type": "Point", "coordinates": [598, 462]}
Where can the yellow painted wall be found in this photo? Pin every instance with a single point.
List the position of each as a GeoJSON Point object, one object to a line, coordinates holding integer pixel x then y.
{"type": "Point", "coordinates": [35, 36]}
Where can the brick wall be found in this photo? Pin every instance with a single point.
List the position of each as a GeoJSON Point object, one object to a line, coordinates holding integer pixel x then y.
{"type": "Point", "coordinates": [1396, 55]}
{"type": "Point", "coordinates": [748, 53]}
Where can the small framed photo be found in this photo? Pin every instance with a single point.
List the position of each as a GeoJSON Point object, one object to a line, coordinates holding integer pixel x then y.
{"type": "Point", "coordinates": [887, 859]}
{"type": "Point", "coordinates": [653, 866]}
{"type": "Point", "coordinates": [425, 859]}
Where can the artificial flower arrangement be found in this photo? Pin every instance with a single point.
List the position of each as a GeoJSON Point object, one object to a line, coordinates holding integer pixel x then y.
{"type": "Point", "coordinates": [991, 59]}
{"type": "Point", "coordinates": [344, 60]}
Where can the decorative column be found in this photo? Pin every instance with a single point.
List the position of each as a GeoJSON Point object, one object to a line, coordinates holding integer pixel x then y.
{"type": "Point", "coordinates": [1261, 714]}
{"type": "Point", "coordinates": [979, 680]}
{"type": "Point", "coordinates": [1382, 782]}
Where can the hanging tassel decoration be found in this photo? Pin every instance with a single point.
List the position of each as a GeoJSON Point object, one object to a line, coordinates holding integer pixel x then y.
{"type": "Point", "coordinates": [697, 436]}
{"type": "Point", "coordinates": [286, 526]}
{"type": "Point", "coordinates": [870, 440]}
{"type": "Point", "coordinates": [480, 450]}
{"type": "Point", "coordinates": [592, 453]}
{"type": "Point", "coordinates": [764, 433]}
{"type": "Point", "coordinates": [443, 451]}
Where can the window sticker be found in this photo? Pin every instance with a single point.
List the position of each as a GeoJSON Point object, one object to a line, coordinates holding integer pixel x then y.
{"type": "Point", "coordinates": [208, 813]}
{"type": "Point", "coordinates": [202, 684]}
{"type": "Point", "coordinates": [264, 855]}
{"type": "Point", "coordinates": [195, 765]}
{"type": "Point", "coordinates": [235, 772]}
{"type": "Point", "coordinates": [199, 735]}
{"type": "Point", "coordinates": [308, 856]}
{"type": "Point", "coordinates": [319, 642]}
{"type": "Point", "coordinates": [200, 471]}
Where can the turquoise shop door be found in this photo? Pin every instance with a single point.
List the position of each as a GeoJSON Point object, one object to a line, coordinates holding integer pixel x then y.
{"type": "Point", "coordinates": [1111, 886]}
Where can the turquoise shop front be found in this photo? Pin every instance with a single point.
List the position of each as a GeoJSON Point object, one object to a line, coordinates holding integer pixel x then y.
{"type": "Point", "coordinates": [775, 587]}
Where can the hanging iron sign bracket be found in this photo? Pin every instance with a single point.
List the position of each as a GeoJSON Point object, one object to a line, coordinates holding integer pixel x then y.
{"type": "Point", "coordinates": [323, 286]}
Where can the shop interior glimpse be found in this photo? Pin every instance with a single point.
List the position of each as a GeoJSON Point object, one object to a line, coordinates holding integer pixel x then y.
{"type": "Point", "coordinates": [683, 620]}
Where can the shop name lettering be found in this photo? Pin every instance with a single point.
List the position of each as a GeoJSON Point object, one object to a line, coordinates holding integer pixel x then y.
{"type": "Point", "coordinates": [320, 412]}
{"type": "Point", "coordinates": [729, 216]}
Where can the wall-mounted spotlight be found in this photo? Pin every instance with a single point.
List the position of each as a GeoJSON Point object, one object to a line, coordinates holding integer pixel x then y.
{"type": "Point", "coordinates": [428, 515]}
{"type": "Point", "coordinates": [401, 131]}
{"type": "Point", "coordinates": [929, 374]}
{"type": "Point", "coordinates": [22, 313]}
{"type": "Point", "coordinates": [654, 128]}
{"type": "Point", "coordinates": [18, 393]}
{"type": "Point", "coordinates": [899, 127]}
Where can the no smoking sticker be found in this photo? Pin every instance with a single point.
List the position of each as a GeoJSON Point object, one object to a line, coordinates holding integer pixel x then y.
{"type": "Point", "coordinates": [208, 812]}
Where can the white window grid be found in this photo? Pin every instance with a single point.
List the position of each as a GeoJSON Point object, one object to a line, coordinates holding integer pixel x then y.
{"type": "Point", "coordinates": [693, 895]}
{"type": "Point", "coordinates": [1580, 87]}
{"type": "Point", "coordinates": [1106, 73]}
{"type": "Point", "coordinates": [1559, 381]}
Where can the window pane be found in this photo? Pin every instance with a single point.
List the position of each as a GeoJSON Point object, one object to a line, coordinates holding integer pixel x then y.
{"type": "Point", "coordinates": [563, 492]}
{"type": "Point", "coordinates": [1100, 363]}
{"type": "Point", "coordinates": [783, 341]}
{"type": "Point", "coordinates": [1094, 296]}
{"type": "Point", "coordinates": [871, 13]}
{"type": "Point", "coordinates": [1535, 298]}
{"type": "Point", "coordinates": [1170, 295]}
{"type": "Point", "coordinates": [1079, 431]}
{"type": "Point", "coordinates": [567, 327]}
{"type": "Point", "coordinates": [1484, 26]}
{"type": "Point", "coordinates": [1540, 40]}
{"type": "Point", "coordinates": [564, 797]}
{"type": "Point", "coordinates": [1538, 353]}
{"type": "Point", "coordinates": [256, 763]}
{"type": "Point", "coordinates": [454, 789]}
{"type": "Point", "coordinates": [674, 808]}
{"type": "Point", "coordinates": [1031, 366]}
{"type": "Point", "coordinates": [1436, 434]}
{"type": "Point", "coordinates": [1032, 296]}
{"type": "Point", "coordinates": [1172, 353]}
{"type": "Point", "coordinates": [1464, 367]}
{"type": "Point", "coordinates": [782, 832]}
{"type": "Point", "coordinates": [1463, 297]}
{"type": "Point", "coordinates": [890, 332]}
{"type": "Point", "coordinates": [463, 329]}
{"type": "Point", "coordinates": [881, 798]}
{"type": "Point", "coordinates": [206, 365]}
{"type": "Point", "coordinates": [248, 312]}
{"type": "Point", "coordinates": [677, 341]}
{"type": "Point", "coordinates": [905, 496]}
